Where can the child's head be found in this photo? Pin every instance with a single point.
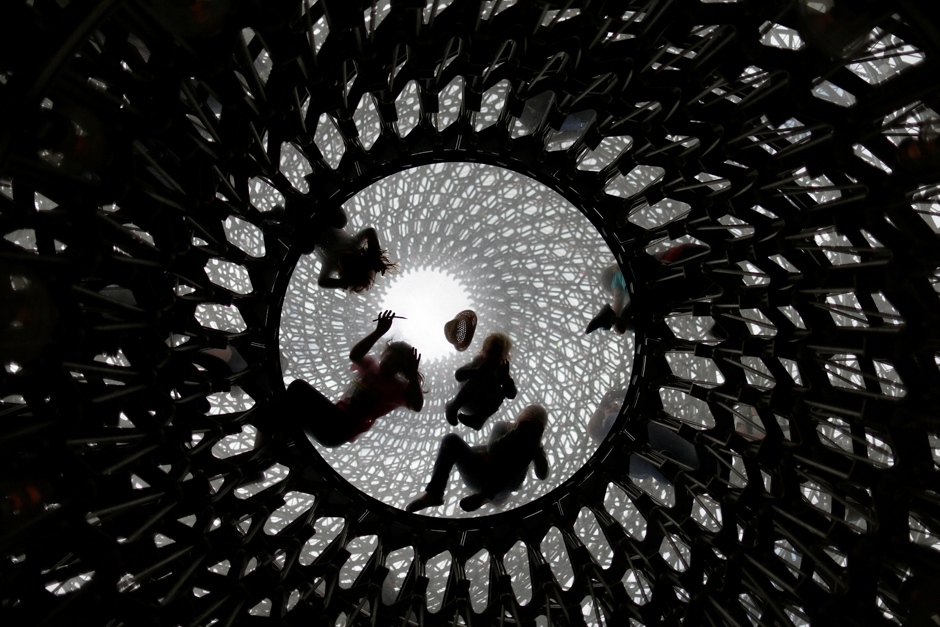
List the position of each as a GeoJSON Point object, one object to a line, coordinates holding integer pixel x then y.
{"type": "Point", "coordinates": [533, 416]}
{"type": "Point", "coordinates": [397, 359]}
{"type": "Point", "coordinates": [496, 345]}
{"type": "Point", "coordinates": [358, 268]}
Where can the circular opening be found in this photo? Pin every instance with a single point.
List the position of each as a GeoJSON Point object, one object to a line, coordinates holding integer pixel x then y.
{"type": "Point", "coordinates": [464, 236]}
{"type": "Point", "coordinates": [431, 297]}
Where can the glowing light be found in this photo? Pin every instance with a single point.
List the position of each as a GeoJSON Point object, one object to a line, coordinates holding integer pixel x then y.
{"type": "Point", "coordinates": [428, 299]}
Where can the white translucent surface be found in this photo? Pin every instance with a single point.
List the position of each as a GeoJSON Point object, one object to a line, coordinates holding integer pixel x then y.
{"type": "Point", "coordinates": [529, 262]}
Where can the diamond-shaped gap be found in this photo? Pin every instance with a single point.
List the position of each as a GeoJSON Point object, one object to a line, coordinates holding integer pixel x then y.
{"type": "Point", "coordinates": [687, 408]}
{"type": "Point", "coordinates": [232, 402]}
{"type": "Point", "coordinates": [263, 608]}
{"type": "Point", "coordinates": [367, 120]}
{"type": "Point", "coordinates": [757, 323]}
{"type": "Point", "coordinates": [262, 195]}
{"type": "Point", "coordinates": [571, 130]}
{"type": "Point", "coordinates": [589, 531]}
{"type": "Point", "coordinates": [533, 113]}
{"type": "Point", "coordinates": [295, 167]}
{"type": "Point", "coordinates": [398, 563]}
{"type": "Point", "coordinates": [790, 557]}
{"type": "Point", "coordinates": [747, 422]}
{"type": "Point", "coordinates": [245, 236]}
{"type": "Point", "coordinates": [635, 182]}
{"type": "Point", "coordinates": [621, 507]}
{"type": "Point", "coordinates": [706, 511]}
{"type": "Point", "coordinates": [675, 552]}
{"type": "Point", "coordinates": [739, 228]}
{"type": "Point", "coordinates": [433, 9]}
{"type": "Point", "coordinates": [408, 109]}
{"type": "Point", "coordinates": [699, 370]}
{"type": "Point", "coordinates": [606, 152]}
{"type": "Point", "coordinates": [793, 316]}
{"type": "Point", "coordinates": [922, 535]}
{"type": "Point", "coordinates": [885, 56]}
{"type": "Point", "coordinates": [231, 276]}
{"type": "Point", "coordinates": [516, 562]}
{"type": "Point", "coordinates": [220, 317]}
{"type": "Point", "coordinates": [887, 312]}
{"type": "Point", "coordinates": [757, 373]}
{"type": "Point", "coordinates": [236, 443]}
{"type": "Point", "coordinates": [325, 530]}
{"type": "Point", "coordinates": [553, 548]}
{"type": "Point", "coordinates": [436, 570]}
{"type": "Point", "coordinates": [868, 157]}
{"type": "Point", "coordinates": [360, 550]}
{"type": "Point", "coordinates": [889, 379]}
{"type": "Point", "coordinates": [449, 101]}
{"type": "Point", "coordinates": [329, 141]}
{"type": "Point", "coordinates": [478, 574]}
{"type": "Point", "coordinates": [295, 504]}
{"type": "Point", "coordinates": [274, 474]}
{"type": "Point", "coordinates": [653, 217]}
{"type": "Point", "coordinates": [493, 101]}
{"type": "Point", "coordinates": [685, 326]}
{"type": "Point", "coordinates": [778, 36]}
{"type": "Point", "coordinates": [843, 371]}
{"type": "Point", "coordinates": [637, 584]}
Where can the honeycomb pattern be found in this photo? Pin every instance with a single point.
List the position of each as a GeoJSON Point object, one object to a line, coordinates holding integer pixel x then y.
{"type": "Point", "coordinates": [795, 140]}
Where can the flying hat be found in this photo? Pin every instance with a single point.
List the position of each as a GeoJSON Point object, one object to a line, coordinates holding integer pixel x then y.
{"type": "Point", "coordinates": [459, 331]}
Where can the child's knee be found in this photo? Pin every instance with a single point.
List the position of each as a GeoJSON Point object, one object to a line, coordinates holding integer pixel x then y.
{"type": "Point", "coordinates": [451, 440]}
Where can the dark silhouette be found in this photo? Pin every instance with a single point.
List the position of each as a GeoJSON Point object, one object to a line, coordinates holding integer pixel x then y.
{"type": "Point", "coordinates": [381, 385]}
{"type": "Point", "coordinates": [493, 471]}
{"type": "Point", "coordinates": [486, 383]}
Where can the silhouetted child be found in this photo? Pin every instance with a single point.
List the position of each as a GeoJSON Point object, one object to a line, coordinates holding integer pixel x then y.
{"type": "Point", "coordinates": [618, 315]}
{"type": "Point", "coordinates": [353, 259]}
{"type": "Point", "coordinates": [493, 471]}
{"type": "Point", "coordinates": [348, 262]}
{"type": "Point", "coordinates": [381, 386]}
{"type": "Point", "coordinates": [486, 383]}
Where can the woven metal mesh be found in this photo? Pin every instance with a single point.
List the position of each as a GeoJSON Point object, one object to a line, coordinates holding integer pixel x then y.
{"type": "Point", "coordinates": [797, 141]}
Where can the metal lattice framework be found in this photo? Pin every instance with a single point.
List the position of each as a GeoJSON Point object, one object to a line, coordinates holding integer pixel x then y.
{"type": "Point", "coordinates": [146, 144]}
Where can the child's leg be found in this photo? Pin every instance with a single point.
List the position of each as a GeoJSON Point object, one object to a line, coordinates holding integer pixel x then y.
{"type": "Point", "coordinates": [452, 409]}
{"type": "Point", "coordinates": [317, 415]}
{"type": "Point", "coordinates": [453, 451]}
{"type": "Point", "coordinates": [476, 401]}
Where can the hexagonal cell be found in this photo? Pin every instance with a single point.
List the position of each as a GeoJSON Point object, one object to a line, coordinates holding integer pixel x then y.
{"type": "Point", "coordinates": [220, 317]}
{"type": "Point", "coordinates": [329, 141]}
{"type": "Point", "coordinates": [245, 236]}
{"type": "Point", "coordinates": [676, 552]}
{"type": "Point", "coordinates": [366, 118]}
{"type": "Point", "coordinates": [493, 101]}
{"type": "Point", "coordinates": [408, 109]}
{"type": "Point", "coordinates": [231, 276]}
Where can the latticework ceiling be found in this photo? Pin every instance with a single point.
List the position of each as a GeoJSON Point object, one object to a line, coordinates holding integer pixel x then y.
{"type": "Point", "coordinates": [520, 147]}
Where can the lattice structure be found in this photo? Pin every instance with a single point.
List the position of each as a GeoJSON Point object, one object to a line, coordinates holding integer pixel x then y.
{"type": "Point", "coordinates": [148, 143]}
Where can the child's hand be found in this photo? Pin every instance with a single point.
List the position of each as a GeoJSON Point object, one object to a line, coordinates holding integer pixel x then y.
{"type": "Point", "coordinates": [415, 360]}
{"type": "Point", "coordinates": [384, 322]}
